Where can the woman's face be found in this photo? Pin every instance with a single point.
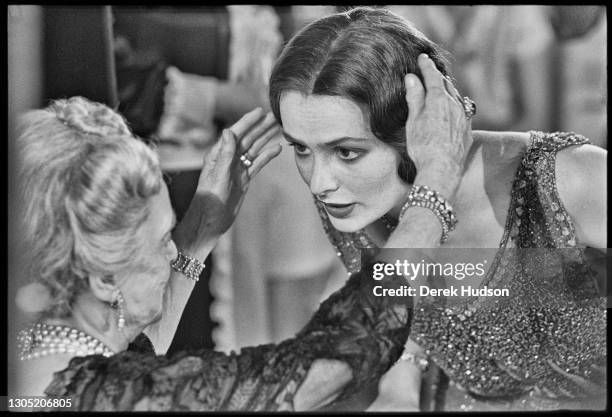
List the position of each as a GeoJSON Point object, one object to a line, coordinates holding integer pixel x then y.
{"type": "Point", "coordinates": [346, 167]}
{"type": "Point", "coordinates": [144, 286]}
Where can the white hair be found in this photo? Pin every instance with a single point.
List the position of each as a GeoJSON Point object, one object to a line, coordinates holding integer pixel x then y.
{"type": "Point", "coordinates": [86, 182]}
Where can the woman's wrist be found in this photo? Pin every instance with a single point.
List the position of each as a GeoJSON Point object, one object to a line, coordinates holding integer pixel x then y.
{"type": "Point", "coordinates": [443, 178]}
{"type": "Point", "coordinates": [425, 197]}
{"type": "Point", "coordinates": [192, 241]}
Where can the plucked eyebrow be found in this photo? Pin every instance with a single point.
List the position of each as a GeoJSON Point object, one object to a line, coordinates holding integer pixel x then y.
{"type": "Point", "coordinates": [331, 143]}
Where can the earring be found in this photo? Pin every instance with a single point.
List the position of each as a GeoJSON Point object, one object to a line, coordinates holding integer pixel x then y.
{"type": "Point", "coordinates": [118, 304]}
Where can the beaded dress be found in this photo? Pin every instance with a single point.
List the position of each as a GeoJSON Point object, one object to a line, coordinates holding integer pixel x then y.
{"type": "Point", "coordinates": [352, 325]}
{"type": "Point", "coordinates": [543, 348]}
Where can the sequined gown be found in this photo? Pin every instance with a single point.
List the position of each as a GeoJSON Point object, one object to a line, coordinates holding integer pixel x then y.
{"type": "Point", "coordinates": [352, 326]}
{"type": "Point", "coordinates": [544, 347]}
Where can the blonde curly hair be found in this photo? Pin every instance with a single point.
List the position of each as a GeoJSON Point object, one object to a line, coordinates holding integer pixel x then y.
{"type": "Point", "coordinates": [85, 182]}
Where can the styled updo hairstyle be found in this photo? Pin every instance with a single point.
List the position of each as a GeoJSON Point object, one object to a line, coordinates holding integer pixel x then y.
{"type": "Point", "coordinates": [362, 55]}
{"type": "Point", "coordinates": [86, 183]}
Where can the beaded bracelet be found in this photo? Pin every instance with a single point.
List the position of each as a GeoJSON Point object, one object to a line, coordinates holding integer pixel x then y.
{"type": "Point", "coordinates": [423, 196]}
{"type": "Point", "coordinates": [188, 266]}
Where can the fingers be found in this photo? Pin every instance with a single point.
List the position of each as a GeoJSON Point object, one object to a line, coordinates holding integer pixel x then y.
{"type": "Point", "coordinates": [263, 158]}
{"type": "Point", "coordinates": [217, 163]}
{"type": "Point", "coordinates": [228, 143]}
{"type": "Point", "coordinates": [263, 140]}
{"type": "Point", "coordinates": [247, 122]}
{"type": "Point", "coordinates": [439, 87]}
{"type": "Point", "coordinates": [226, 153]}
{"type": "Point", "coordinates": [415, 95]}
{"type": "Point", "coordinates": [257, 130]}
{"type": "Point", "coordinates": [433, 78]}
{"type": "Point", "coordinates": [451, 90]}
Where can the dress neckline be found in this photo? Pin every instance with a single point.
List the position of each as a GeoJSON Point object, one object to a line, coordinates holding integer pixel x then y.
{"type": "Point", "coordinates": [510, 216]}
{"type": "Point", "coordinates": [511, 206]}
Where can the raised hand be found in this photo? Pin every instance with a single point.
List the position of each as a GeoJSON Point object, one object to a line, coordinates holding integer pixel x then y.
{"type": "Point", "coordinates": [438, 131]}
{"type": "Point", "coordinates": [225, 178]}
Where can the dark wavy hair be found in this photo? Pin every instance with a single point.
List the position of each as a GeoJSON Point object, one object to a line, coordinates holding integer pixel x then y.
{"type": "Point", "coordinates": [362, 55]}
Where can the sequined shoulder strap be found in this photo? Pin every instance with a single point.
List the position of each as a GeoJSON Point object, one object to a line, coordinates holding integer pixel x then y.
{"type": "Point", "coordinates": [540, 219]}
{"type": "Point", "coordinates": [349, 246]}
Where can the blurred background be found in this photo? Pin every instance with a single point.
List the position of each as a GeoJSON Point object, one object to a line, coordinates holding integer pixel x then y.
{"type": "Point", "coordinates": [179, 74]}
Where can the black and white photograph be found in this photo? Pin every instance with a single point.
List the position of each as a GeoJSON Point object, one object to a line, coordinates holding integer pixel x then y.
{"type": "Point", "coordinates": [321, 208]}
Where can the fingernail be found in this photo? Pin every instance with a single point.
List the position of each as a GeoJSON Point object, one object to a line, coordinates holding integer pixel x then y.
{"type": "Point", "coordinates": [410, 81]}
{"type": "Point", "coordinates": [424, 56]}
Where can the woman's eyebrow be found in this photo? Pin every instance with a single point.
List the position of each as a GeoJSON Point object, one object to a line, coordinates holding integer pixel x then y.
{"type": "Point", "coordinates": [333, 142]}
{"type": "Point", "coordinates": [290, 138]}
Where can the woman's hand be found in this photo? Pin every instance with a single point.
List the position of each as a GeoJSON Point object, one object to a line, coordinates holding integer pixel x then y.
{"type": "Point", "coordinates": [438, 132]}
{"type": "Point", "coordinates": [224, 180]}
{"type": "Point", "coordinates": [400, 387]}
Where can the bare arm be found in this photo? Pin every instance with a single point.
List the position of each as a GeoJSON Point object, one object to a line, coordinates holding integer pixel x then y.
{"type": "Point", "coordinates": [221, 188]}
{"type": "Point", "coordinates": [324, 382]}
{"type": "Point", "coordinates": [582, 185]}
{"type": "Point", "coordinates": [438, 137]}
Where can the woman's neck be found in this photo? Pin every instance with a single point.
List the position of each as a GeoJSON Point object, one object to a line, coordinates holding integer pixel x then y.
{"type": "Point", "coordinates": [382, 228]}
{"type": "Point", "coordinates": [98, 319]}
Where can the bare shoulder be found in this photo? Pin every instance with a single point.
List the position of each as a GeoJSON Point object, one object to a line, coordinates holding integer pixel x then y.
{"type": "Point", "coordinates": [501, 146]}
{"type": "Point", "coordinates": [580, 168]}
{"type": "Point", "coordinates": [581, 182]}
{"type": "Point", "coordinates": [574, 162]}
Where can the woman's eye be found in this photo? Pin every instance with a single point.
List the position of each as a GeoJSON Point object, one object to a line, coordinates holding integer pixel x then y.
{"type": "Point", "coordinates": [299, 149]}
{"type": "Point", "coordinates": [348, 154]}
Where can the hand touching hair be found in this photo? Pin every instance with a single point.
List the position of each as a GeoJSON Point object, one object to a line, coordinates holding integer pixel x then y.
{"type": "Point", "coordinates": [362, 55]}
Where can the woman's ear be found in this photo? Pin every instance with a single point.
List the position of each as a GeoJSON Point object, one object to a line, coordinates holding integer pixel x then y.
{"type": "Point", "coordinates": [103, 287]}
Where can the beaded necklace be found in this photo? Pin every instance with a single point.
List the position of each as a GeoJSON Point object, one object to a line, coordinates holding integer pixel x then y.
{"type": "Point", "coordinates": [41, 339]}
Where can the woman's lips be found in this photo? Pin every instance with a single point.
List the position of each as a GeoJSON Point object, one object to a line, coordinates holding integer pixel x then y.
{"type": "Point", "coordinates": [339, 211]}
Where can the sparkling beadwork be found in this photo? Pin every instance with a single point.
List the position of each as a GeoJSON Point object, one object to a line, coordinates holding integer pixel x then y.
{"type": "Point", "coordinates": [507, 341]}
{"type": "Point", "coordinates": [541, 312]}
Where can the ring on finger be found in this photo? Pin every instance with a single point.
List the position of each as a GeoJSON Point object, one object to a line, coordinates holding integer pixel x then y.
{"type": "Point", "coordinates": [245, 160]}
{"type": "Point", "coordinates": [469, 107]}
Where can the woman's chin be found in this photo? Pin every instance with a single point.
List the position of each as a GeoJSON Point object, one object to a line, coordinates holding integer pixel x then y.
{"type": "Point", "coordinates": [152, 318]}
{"type": "Point", "coordinates": [348, 225]}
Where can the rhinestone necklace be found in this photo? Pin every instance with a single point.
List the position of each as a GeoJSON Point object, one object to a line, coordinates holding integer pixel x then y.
{"type": "Point", "coordinates": [42, 339]}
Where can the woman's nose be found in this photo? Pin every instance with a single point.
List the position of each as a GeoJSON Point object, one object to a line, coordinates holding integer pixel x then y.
{"type": "Point", "coordinates": [322, 180]}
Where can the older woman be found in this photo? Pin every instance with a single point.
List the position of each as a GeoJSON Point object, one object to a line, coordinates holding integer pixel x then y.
{"type": "Point", "coordinates": [101, 234]}
{"type": "Point", "coordinates": [365, 101]}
